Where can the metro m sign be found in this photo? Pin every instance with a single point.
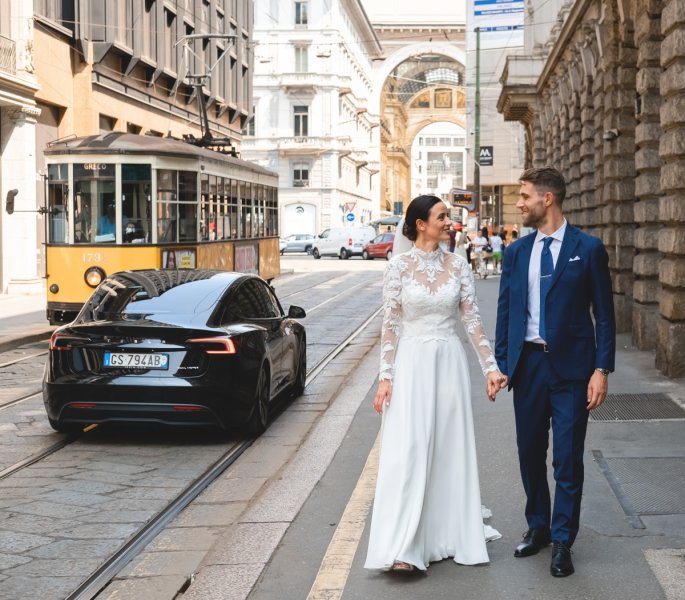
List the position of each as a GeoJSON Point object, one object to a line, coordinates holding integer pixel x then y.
{"type": "Point", "coordinates": [486, 156]}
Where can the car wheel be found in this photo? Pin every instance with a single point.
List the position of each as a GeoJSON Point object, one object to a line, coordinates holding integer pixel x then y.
{"type": "Point", "coordinates": [301, 373]}
{"type": "Point", "coordinates": [365, 255]}
{"type": "Point", "coordinates": [344, 254]}
{"type": "Point", "coordinates": [260, 413]}
{"type": "Point", "coordinates": [315, 253]}
{"type": "Point", "coordinates": [388, 256]}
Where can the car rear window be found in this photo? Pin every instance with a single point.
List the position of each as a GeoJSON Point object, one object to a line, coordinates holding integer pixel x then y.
{"type": "Point", "coordinates": [132, 295]}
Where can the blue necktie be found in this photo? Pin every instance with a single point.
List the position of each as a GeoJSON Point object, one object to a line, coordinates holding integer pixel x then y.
{"type": "Point", "coordinates": [546, 272]}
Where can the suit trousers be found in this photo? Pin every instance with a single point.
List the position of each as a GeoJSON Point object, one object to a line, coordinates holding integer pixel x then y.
{"type": "Point", "coordinates": [541, 397]}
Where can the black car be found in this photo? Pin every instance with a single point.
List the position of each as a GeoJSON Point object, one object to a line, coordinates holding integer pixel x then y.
{"type": "Point", "coordinates": [186, 346]}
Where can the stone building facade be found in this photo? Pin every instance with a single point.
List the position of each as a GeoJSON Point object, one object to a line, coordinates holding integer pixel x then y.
{"type": "Point", "coordinates": [600, 89]}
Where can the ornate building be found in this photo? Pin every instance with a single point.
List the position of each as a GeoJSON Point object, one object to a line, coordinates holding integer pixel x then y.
{"type": "Point", "coordinates": [313, 123]}
{"type": "Point", "coordinates": [601, 92]}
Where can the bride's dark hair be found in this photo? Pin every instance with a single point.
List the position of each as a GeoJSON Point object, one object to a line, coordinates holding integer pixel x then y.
{"type": "Point", "coordinates": [418, 208]}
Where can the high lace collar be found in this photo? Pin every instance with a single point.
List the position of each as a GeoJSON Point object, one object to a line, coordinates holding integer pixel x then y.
{"type": "Point", "coordinates": [424, 254]}
{"type": "Point", "coordinates": [430, 263]}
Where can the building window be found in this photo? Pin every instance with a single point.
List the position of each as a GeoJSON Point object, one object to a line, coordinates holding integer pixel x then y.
{"type": "Point", "coordinates": [300, 175]}
{"type": "Point", "coordinates": [301, 121]}
{"type": "Point", "coordinates": [169, 40]}
{"type": "Point", "coordinates": [301, 11]}
{"type": "Point", "coordinates": [301, 59]}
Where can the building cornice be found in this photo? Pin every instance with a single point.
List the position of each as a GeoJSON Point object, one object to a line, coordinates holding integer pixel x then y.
{"type": "Point", "coordinates": [568, 30]}
{"type": "Point", "coordinates": [370, 40]}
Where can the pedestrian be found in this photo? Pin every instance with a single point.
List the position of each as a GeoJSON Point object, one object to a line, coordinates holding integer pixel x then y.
{"type": "Point", "coordinates": [453, 238]}
{"type": "Point", "coordinates": [459, 241]}
{"type": "Point", "coordinates": [514, 236]}
{"type": "Point", "coordinates": [483, 251]}
{"type": "Point", "coordinates": [556, 359]}
{"type": "Point", "coordinates": [427, 505]}
{"type": "Point", "coordinates": [497, 244]}
{"type": "Point", "coordinates": [468, 246]}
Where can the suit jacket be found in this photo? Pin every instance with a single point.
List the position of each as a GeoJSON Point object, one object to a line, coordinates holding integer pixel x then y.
{"type": "Point", "coordinates": [580, 289]}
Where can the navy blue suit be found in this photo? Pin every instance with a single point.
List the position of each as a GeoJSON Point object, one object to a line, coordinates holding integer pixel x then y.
{"type": "Point", "coordinates": [552, 386]}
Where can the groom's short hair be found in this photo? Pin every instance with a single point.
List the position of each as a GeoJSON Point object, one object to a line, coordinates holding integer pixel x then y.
{"type": "Point", "coordinates": [546, 179]}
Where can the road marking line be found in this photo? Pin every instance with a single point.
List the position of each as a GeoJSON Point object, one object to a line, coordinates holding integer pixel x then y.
{"type": "Point", "coordinates": [337, 562]}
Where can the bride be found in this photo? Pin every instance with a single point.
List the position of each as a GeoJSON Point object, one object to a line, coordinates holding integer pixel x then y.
{"type": "Point", "coordinates": [427, 505]}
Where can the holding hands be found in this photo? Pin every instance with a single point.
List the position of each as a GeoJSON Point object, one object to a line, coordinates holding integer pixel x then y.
{"type": "Point", "coordinates": [496, 382]}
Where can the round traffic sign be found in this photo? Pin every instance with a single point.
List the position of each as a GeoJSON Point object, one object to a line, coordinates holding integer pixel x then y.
{"type": "Point", "coordinates": [350, 217]}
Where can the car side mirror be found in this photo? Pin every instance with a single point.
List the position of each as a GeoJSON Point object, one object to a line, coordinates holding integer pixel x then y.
{"type": "Point", "coordinates": [296, 312]}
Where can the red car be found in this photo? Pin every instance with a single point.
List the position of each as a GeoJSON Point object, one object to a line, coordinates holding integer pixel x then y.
{"type": "Point", "coordinates": [379, 247]}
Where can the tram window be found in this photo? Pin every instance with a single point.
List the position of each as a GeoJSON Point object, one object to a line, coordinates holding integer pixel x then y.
{"type": "Point", "coordinates": [94, 205]}
{"type": "Point", "coordinates": [57, 203]}
{"type": "Point", "coordinates": [136, 182]}
{"type": "Point", "coordinates": [176, 206]}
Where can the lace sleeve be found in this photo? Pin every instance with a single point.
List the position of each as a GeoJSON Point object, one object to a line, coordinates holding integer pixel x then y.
{"type": "Point", "coordinates": [473, 323]}
{"type": "Point", "coordinates": [392, 303]}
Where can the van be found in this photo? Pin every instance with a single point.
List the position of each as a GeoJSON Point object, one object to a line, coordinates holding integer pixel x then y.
{"type": "Point", "coordinates": [342, 242]}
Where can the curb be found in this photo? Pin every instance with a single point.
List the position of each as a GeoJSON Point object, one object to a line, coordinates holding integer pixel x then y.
{"type": "Point", "coordinates": [11, 342]}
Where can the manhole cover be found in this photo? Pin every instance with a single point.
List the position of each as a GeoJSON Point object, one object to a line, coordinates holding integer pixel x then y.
{"type": "Point", "coordinates": [637, 407]}
{"type": "Point", "coordinates": [646, 486]}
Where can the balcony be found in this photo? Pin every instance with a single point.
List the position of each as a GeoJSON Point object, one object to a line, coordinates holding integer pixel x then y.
{"type": "Point", "coordinates": [8, 56]}
{"type": "Point", "coordinates": [300, 82]}
{"type": "Point", "coordinates": [311, 146]}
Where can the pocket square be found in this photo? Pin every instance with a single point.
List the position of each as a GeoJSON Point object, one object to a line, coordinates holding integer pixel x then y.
{"type": "Point", "coordinates": [574, 258]}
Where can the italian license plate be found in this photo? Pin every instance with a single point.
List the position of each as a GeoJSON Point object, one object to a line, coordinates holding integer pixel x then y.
{"type": "Point", "coordinates": [136, 360]}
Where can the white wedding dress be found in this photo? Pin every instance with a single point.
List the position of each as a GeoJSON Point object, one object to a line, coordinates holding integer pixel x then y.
{"type": "Point", "coordinates": [427, 505]}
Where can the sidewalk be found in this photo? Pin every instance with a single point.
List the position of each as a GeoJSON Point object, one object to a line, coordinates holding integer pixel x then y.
{"type": "Point", "coordinates": [22, 319]}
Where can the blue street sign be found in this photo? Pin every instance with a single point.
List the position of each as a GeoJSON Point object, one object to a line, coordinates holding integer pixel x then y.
{"type": "Point", "coordinates": [350, 217]}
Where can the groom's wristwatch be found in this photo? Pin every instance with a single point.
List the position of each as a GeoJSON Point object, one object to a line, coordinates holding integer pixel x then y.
{"type": "Point", "coordinates": [604, 372]}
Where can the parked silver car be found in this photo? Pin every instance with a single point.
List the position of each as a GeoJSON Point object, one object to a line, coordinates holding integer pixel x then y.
{"type": "Point", "coordinates": [299, 242]}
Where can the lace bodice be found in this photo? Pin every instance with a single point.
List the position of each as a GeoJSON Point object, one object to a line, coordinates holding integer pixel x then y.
{"type": "Point", "coordinates": [425, 295]}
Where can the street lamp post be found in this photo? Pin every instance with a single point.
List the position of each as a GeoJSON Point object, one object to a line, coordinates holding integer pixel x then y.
{"type": "Point", "coordinates": [476, 149]}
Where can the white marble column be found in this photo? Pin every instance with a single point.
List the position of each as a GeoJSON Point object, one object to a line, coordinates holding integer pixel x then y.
{"type": "Point", "coordinates": [18, 171]}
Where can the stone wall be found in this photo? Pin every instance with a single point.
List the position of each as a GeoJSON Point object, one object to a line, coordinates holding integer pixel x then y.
{"type": "Point", "coordinates": [670, 343]}
{"type": "Point", "coordinates": [608, 109]}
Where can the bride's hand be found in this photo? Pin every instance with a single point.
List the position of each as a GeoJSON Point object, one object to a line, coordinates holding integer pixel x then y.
{"type": "Point", "coordinates": [496, 382]}
{"type": "Point", "coordinates": [383, 395]}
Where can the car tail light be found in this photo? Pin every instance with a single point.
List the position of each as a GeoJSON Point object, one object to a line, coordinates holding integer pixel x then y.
{"type": "Point", "coordinates": [216, 345]}
{"type": "Point", "coordinates": [188, 408]}
{"type": "Point", "coordinates": [63, 341]}
{"type": "Point", "coordinates": [349, 241]}
{"type": "Point", "coordinates": [82, 405]}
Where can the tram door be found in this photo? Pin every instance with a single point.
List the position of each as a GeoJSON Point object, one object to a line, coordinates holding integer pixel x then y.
{"type": "Point", "coordinates": [57, 204]}
{"type": "Point", "coordinates": [136, 203]}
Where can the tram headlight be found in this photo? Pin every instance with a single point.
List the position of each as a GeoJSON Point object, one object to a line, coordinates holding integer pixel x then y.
{"type": "Point", "coordinates": [93, 276]}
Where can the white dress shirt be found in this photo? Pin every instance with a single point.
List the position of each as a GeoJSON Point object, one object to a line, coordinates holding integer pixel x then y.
{"type": "Point", "coordinates": [533, 320]}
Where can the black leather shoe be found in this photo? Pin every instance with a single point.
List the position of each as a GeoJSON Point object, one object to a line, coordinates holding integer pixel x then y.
{"type": "Point", "coordinates": [533, 541]}
{"type": "Point", "coordinates": [562, 566]}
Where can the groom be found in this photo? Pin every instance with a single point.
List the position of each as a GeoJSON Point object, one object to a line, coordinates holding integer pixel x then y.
{"type": "Point", "coordinates": [554, 281]}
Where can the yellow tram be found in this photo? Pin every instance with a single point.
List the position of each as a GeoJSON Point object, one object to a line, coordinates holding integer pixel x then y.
{"type": "Point", "coordinates": [122, 201]}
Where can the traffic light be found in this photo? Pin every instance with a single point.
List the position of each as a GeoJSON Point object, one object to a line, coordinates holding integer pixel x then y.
{"type": "Point", "coordinates": [9, 205]}
{"type": "Point", "coordinates": [462, 198]}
